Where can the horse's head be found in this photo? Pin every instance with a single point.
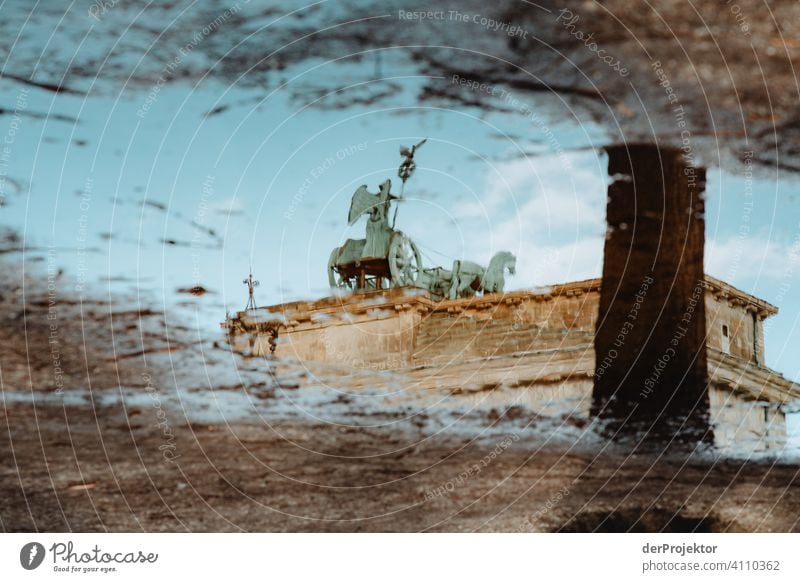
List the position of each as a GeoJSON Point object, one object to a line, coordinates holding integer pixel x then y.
{"type": "Point", "coordinates": [504, 260]}
{"type": "Point", "coordinates": [493, 280]}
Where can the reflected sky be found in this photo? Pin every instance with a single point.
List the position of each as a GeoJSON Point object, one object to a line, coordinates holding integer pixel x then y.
{"type": "Point", "coordinates": [141, 191]}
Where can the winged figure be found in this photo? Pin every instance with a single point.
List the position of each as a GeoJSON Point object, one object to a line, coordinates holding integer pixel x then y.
{"type": "Point", "coordinates": [377, 205]}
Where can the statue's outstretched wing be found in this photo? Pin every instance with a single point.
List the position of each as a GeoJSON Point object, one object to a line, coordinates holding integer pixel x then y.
{"type": "Point", "coordinates": [362, 202]}
{"type": "Point", "coordinates": [385, 192]}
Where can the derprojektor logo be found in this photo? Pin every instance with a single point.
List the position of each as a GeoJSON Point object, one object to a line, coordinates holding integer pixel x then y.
{"type": "Point", "coordinates": [31, 555]}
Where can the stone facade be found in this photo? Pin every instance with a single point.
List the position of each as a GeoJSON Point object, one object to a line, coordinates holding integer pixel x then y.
{"type": "Point", "coordinates": [538, 344]}
{"type": "Point", "coordinates": [735, 321]}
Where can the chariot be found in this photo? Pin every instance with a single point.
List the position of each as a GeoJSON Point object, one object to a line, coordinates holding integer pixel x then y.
{"type": "Point", "coordinates": [385, 258]}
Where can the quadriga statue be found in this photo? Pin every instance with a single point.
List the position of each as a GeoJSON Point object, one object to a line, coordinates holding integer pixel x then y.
{"type": "Point", "coordinates": [388, 258]}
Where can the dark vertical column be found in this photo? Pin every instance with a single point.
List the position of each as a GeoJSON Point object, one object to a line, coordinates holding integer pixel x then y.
{"type": "Point", "coordinates": [650, 377]}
